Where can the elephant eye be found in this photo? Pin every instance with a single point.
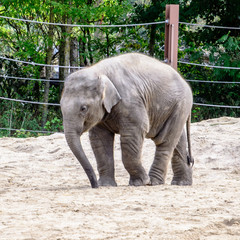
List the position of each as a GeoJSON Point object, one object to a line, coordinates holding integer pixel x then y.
{"type": "Point", "coordinates": [83, 109]}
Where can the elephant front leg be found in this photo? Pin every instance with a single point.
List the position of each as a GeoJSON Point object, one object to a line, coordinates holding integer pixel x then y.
{"type": "Point", "coordinates": [102, 144]}
{"type": "Point", "coordinates": [131, 145]}
{"type": "Point", "coordinates": [181, 169]}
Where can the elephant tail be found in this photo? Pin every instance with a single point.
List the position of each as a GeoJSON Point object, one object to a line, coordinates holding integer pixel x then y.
{"type": "Point", "coordinates": [190, 159]}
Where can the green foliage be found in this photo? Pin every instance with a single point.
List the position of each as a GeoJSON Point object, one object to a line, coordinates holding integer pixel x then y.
{"type": "Point", "coordinates": [54, 125]}
{"type": "Point", "coordinates": [16, 116]}
{"type": "Point", "coordinates": [226, 53]}
{"type": "Point", "coordinates": [219, 47]}
{"type": "Point", "coordinates": [24, 134]}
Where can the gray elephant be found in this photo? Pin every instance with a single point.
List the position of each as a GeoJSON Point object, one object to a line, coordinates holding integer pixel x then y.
{"type": "Point", "coordinates": [135, 96]}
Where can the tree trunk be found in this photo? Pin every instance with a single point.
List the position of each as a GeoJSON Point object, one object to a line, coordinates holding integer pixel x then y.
{"type": "Point", "coordinates": [74, 55]}
{"type": "Point", "coordinates": [152, 39]}
{"type": "Point", "coordinates": [64, 51]}
{"type": "Point", "coordinates": [48, 69]}
{"type": "Point", "coordinates": [89, 46]}
{"type": "Point", "coordinates": [152, 34]}
{"type": "Point", "coordinates": [108, 43]}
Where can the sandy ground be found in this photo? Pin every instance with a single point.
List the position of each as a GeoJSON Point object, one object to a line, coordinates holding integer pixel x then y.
{"type": "Point", "coordinates": [44, 193]}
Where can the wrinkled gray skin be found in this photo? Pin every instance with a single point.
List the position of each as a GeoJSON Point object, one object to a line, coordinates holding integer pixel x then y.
{"type": "Point", "coordinates": [135, 96]}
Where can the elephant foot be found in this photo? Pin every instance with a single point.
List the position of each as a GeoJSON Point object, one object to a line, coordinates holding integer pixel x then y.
{"type": "Point", "coordinates": [180, 182]}
{"type": "Point", "coordinates": [141, 181]}
{"type": "Point", "coordinates": [156, 181]}
{"type": "Point", "coordinates": [107, 182]}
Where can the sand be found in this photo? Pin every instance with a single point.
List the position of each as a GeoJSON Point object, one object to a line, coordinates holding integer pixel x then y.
{"type": "Point", "coordinates": [44, 193]}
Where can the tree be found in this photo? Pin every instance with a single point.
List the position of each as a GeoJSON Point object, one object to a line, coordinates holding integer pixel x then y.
{"type": "Point", "coordinates": [215, 46]}
{"type": "Point", "coordinates": [48, 44]}
{"type": "Point", "coordinates": [49, 53]}
{"type": "Point", "coordinates": [74, 46]}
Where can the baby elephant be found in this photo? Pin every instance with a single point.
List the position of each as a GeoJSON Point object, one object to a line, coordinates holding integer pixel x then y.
{"type": "Point", "coordinates": [135, 96]}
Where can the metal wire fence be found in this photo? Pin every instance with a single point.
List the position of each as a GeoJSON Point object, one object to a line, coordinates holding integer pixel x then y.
{"type": "Point", "coordinates": [74, 67]}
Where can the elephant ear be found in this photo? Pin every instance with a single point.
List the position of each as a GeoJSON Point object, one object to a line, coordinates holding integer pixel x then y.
{"type": "Point", "coordinates": [110, 94]}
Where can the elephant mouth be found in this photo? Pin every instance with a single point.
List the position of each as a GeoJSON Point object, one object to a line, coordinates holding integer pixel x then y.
{"type": "Point", "coordinates": [86, 127]}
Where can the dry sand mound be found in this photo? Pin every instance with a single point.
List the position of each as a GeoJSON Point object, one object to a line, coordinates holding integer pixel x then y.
{"type": "Point", "coordinates": [44, 193]}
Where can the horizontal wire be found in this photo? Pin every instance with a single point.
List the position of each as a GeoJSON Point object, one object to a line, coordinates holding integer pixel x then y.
{"type": "Point", "coordinates": [51, 132]}
{"type": "Point", "coordinates": [82, 25]}
{"type": "Point", "coordinates": [210, 66]}
{"type": "Point", "coordinates": [57, 104]}
{"type": "Point", "coordinates": [26, 130]}
{"type": "Point", "coordinates": [60, 81]}
{"type": "Point", "coordinates": [212, 105]}
{"type": "Point", "coordinates": [203, 81]}
{"type": "Point", "coordinates": [38, 64]}
{"type": "Point", "coordinates": [32, 79]}
{"type": "Point", "coordinates": [209, 26]}
{"type": "Point", "coordinates": [117, 25]}
{"type": "Point", "coordinates": [46, 65]}
{"type": "Point", "coordinates": [31, 102]}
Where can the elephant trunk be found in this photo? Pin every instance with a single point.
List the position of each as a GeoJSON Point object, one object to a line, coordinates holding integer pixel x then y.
{"type": "Point", "coordinates": [73, 140]}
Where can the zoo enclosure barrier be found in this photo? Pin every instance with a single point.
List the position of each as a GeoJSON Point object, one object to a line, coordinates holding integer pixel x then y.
{"type": "Point", "coordinates": [170, 54]}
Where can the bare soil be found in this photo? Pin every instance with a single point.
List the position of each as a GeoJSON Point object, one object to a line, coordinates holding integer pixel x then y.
{"type": "Point", "coordinates": [44, 193]}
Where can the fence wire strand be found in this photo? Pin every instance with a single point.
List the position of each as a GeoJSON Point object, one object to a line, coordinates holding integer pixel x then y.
{"type": "Point", "coordinates": [117, 25]}
{"type": "Point", "coordinates": [83, 25]}
{"type": "Point", "coordinates": [209, 66]}
{"type": "Point", "coordinates": [26, 130]}
{"type": "Point", "coordinates": [204, 81]}
{"type": "Point", "coordinates": [71, 67]}
{"type": "Point", "coordinates": [33, 79]}
{"type": "Point", "coordinates": [38, 64]}
{"type": "Point", "coordinates": [61, 81]}
{"type": "Point", "coordinates": [209, 26]}
{"type": "Point", "coordinates": [57, 104]}
{"type": "Point", "coordinates": [30, 102]}
{"type": "Point", "coordinates": [212, 105]}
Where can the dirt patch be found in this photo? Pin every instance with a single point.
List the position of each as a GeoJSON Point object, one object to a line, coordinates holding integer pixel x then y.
{"type": "Point", "coordinates": [44, 193]}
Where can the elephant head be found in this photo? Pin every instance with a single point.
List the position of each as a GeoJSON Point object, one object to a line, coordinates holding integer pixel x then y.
{"type": "Point", "coordinates": [86, 98]}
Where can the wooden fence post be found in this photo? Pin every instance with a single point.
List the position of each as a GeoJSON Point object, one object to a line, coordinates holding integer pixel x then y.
{"type": "Point", "coordinates": [171, 35]}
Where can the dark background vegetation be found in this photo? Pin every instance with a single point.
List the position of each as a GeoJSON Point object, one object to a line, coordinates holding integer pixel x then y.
{"type": "Point", "coordinates": [81, 46]}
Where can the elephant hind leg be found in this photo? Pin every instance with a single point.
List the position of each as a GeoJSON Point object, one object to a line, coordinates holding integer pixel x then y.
{"type": "Point", "coordinates": [181, 169]}
{"type": "Point", "coordinates": [166, 141]}
{"type": "Point", "coordinates": [159, 167]}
